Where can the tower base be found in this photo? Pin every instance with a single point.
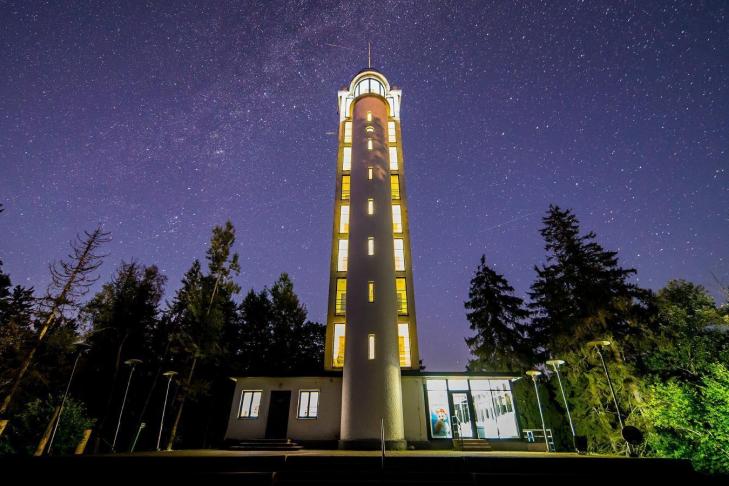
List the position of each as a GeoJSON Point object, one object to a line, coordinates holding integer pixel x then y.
{"type": "Point", "coordinates": [372, 445]}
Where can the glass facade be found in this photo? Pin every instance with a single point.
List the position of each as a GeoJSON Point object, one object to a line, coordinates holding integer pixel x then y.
{"type": "Point", "coordinates": [346, 186]}
{"type": "Point", "coordinates": [483, 408]}
{"type": "Point", "coordinates": [347, 158]}
{"type": "Point", "coordinates": [340, 305]}
{"type": "Point", "coordinates": [347, 132]}
{"type": "Point", "coordinates": [393, 158]}
{"type": "Point", "coordinates": [403, 341]}
{"type": "Point", "coordinates": [338, 348]}
{"type": "Point", "coordinates": [344, 219]}
{"type": "Point", "coordinates": [399, 254]}
{"type": "Point", "coordinates": [342, 255]}
{"type": "Point", "coordinates": [396, 218]}
{"type": "Point", "coordinates": [391, 135]}
{"type": "Point", "coordinates": [369, 85]}
{"type": "Point", "coordinates": [395, 186]}
{"type": "Point", "coordinates": [402, 296]}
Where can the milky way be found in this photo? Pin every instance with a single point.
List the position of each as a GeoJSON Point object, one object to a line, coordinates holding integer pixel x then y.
{"type": "Point", "coordinates": [161, 121]}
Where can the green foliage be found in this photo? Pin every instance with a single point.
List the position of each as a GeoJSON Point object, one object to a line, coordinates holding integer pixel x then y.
{"type": "Point", "coordinates": [692, 420]}
{"type": "Point", "coordinates": [498, 317]}
{"type": "Point", "coordinates": [26, 428]}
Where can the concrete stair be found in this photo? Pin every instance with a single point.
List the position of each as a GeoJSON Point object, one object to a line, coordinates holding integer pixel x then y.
{"type": "Point", "coordinates": [475, 445]}
{"type": "Point", "coordinates": [265, 445]}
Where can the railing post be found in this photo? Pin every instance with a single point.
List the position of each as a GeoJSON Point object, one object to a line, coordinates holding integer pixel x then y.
{"type": "Point", "coordinates": [382, 443]}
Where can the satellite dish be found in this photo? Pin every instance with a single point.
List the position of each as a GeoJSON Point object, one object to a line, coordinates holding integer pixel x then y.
{"type": "Point", "coordinates": [632, 435]}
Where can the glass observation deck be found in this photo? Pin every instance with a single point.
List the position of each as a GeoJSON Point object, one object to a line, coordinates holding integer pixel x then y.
{"type": "Point", "coordinates": [366, 82]}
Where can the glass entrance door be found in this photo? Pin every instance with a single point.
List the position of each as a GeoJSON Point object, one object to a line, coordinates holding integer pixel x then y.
{"type": "Point", "coordinates": [462, 412]}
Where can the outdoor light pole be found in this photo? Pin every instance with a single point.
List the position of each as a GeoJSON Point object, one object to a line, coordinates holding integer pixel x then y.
{"type": "Point", "coordinates": [598, 345]}
{"type": "Point", "coordinates": [169, 375]}
{"type": "Point", "coordinates": [556, 363]}
{"type": "Point", "coordinates": [133, 364]}
{"type": "Point", "coordinates": [534, 374]}
{"type": "Point", "coordinates": [82, 347]}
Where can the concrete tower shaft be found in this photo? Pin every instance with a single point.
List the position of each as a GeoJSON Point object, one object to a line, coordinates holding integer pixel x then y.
{"type": "Point", "coordinates": [371, 386]}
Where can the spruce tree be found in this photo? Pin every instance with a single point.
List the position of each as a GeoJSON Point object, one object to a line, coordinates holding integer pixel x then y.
{"type": "Point", "coordinates": [497, 316]}
{"type": "Point", "coordinates": [582, 292]}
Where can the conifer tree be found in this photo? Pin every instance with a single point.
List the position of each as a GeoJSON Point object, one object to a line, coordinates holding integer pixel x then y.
{"type": "Point", "coordinates": [498, 317]}
{"type": "Point", "coordinates": [582, 292]}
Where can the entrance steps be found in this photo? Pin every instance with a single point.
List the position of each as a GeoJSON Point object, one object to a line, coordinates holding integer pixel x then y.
{"type": "Point", "coordinates": [471, 445]}
{"type": "Point", "coordinates": [265, 445]}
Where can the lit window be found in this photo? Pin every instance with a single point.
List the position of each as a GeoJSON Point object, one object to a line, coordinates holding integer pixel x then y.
{"type": "Point", "coordinates": [399, 255]}
{"type": "Point", "coordinates": [370, 206]}
{"type": "Point", "coordinates": [340, 304]}
{"type": "Point", "coordinates": [308, 403]}
{"type": "Point", "coordinates": [370, 246]}
{"type": "Point", "coordinates": [369, 116]}
{"type": "Point", "coordinates": [338, 346]}
{"type": "Point", "coordinates": [369, 173]}
{"type": "Point", "coordinates": [342, 257]}
{"type": "Point", "coordinates": [391, 135]}
{"type": "Point", "coordinates": [348, 132]}
{"type": "Point", "coordinates": [396, 219]}
{"type": "Point", "coordinates": [402, 296]}
{"type": "Point", "coordinates": [346, 186]}
{"type": "Point", "coordinates": [394, 186]}
{"type": "Point", "coordinates": [370, 291]}
{"type": "Point", "coordinates": [369, 85]}
{"type": "Point", "coordinates": [347, 158]}
{"type": "Point", "coordinates": [344, 219]}
{"type": "Point", "coordinates": [371, 346]}
{"type": "Point", "coordinates": [393, 158]}
{"type": "Point", "coordinates": [403, 341]}
{"type": "Point", "coordinates": [369, 144]}
{"type": "Point", "coordinates": [250, 401]}
{"type": "Point", "coordinates": [370, 129]}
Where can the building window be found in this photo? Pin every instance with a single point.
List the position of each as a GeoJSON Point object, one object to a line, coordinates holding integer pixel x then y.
{"type": "Point", "coordinates": [393, 158]}
{"type": "Point", "coordinates": [370, 206]}
{"type": "Point", "coordinates": [370, 291]}
{"type": "Point", "coordinates": [403, 344]}
{"type": "Point", "coordinates": [369, 116]}
{"type": "Point", "coordinates": [250, 402]}
{"type": "Point", "coordinates": [396, 219]}
{"type": "Point", "coordinates": [394, 186]}
{"type": "Point", "coordinates": [402, 296]}
{"type": "Point", "coordinates": [369, 85]}
{"type": "Point", "coordinates": [348, 132]}
{"type": "Point", "coordinates": [391, 135]}
{"type": "Point", "coordinates": [371, 346]}
{"type": "Point", "coordinates": [369, 173]}
{"type": "Point", "coordinates": [340, 304]}
{"type": "Point", "coordinates": [370, 145]}
{"type": "Point", "coordinates": [370, 246]}
{"type": "Point", "coordinates": [347, 158]}
{"type": "Point", "coordinates": [370, 129]}
{"type": "Point", "coordinates": [308, 403]}
{"type": "Point", "coordinates": [399, 254]}
{"type": "Point", "coordinates": [344, 219]}
{"type": "Point", "coordinates": [346, 186]}
{"type": "Point", "coordinates": [338, 346]}
{"type": "Point", "coordinates": [342, 255]}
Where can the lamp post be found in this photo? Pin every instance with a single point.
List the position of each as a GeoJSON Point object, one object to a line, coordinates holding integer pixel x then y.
{"type": "Point", "coordinates": [598, 345]}
{"type": "Point", "coordinates": [534, 374]}
{"type": "Point", "coordinates": [169, 375]}
{"type": "Point", "coordinates": [556, 363]}
{"type": "Point", "coordinates": [82, 348]}
{"type": "Point", "coordinates": [132, 363]}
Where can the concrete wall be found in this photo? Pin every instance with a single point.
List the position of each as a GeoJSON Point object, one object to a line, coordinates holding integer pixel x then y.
{"type": "Point", "coordinates": [324, 427]}
{"type": "Point", "coordinates": [413, 405]}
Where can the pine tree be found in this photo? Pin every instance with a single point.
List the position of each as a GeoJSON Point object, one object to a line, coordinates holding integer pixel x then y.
{"type": "Point", "coordinates": [498, 318]}
{"type": "Point", "coordinates": [582, 292]}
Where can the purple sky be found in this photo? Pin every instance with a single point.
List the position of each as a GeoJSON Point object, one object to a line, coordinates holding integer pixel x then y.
{"type": "Point", "coordinates": [163, 120]}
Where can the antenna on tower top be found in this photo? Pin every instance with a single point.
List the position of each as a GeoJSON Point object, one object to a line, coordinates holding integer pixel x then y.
{"type": "Point", "coordinates": [369, 55]}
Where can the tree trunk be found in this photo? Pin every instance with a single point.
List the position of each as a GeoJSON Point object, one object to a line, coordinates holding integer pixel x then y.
{"type": "Point", "coordinates": [185, 390]}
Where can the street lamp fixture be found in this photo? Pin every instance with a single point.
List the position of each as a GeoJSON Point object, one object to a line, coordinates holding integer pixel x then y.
{"type": "Point", "coordinates": [534, 375]}
{"type": "Point", "coordinates": [132, 363]}
{"type": "Point", "coordinates": [169, 375]}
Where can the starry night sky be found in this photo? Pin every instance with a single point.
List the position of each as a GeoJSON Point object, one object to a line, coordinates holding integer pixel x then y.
{"type": "Point", "coordinates": [163, 119]}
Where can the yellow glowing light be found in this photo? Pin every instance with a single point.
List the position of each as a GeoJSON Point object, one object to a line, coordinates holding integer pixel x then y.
{"type": "Point", "coordinates": [395, 186]}
{"type": "Point", "coordinates": [371, 291]}
{"type": "Point", "coordinates": [370, 206]}
{"type": "Point", "coordinates": [370, 246]}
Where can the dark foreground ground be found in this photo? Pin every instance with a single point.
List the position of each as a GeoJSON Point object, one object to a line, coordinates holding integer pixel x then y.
{"type": "Point", "coordinates": [349, 468]}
